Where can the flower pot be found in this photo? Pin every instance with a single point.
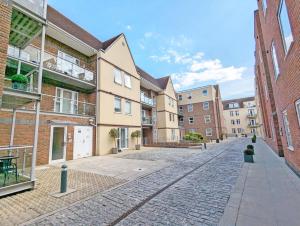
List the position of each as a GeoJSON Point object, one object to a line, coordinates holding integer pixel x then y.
{"type": "Point", "coordinates": [19, 86]}
{"type": "Point", "coordinates": [114, 150]}
{"type": "Point", "coordinates": [253, 141]}
{"type": "Point", "coordinates": [217, 141]}
{"type": "Point", "coordinates": [137, 147]}
{"type": "Point", "coordinates": [248, 158]}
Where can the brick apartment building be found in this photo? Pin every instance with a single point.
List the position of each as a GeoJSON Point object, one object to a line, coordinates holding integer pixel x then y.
{"type": "Point", "coordinates": [241, 117]}
{"type": "Point", "coordinates": [200, 110]}
{"type": "Point", "coordinates": [277, 63]}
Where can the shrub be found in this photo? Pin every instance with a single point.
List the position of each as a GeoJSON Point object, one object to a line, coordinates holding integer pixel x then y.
{"type": "Point", "coordinates": [136, 134]}
{"type": "Point", "coordinates": [194, 137]}
{"type": "Point", "coordinates": [114, 133]}
{"type": "Point", "coordinates": [249, 152]}
{"type": "Point", "coordinates": [19, 78]}
{"type": "Point", "coordinates": [254, 138]}
{"type": "Point", "coordinates": [250, 146]}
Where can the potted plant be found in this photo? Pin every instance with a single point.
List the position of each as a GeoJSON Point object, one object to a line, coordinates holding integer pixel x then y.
{"type": "Point", "coordinates": [19, 82]}
{"type": "Point", "coordinates": [136, 134]}
{"type": "Point", "coordinates": [254, 139]}
{"type": "Point", "coordinates": [250, 146]}
{"type": "Point", "coordinates": [114, 133]}
{"type": "Point", "coordinates": [248, 155]}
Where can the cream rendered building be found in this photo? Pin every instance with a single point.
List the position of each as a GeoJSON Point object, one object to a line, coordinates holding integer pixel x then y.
{"type": "Point", "coordinates": [241, 117]}
{"type": "Point", "coordinates": [118, 96]}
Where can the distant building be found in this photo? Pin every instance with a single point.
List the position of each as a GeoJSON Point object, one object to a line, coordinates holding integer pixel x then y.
{"type": "Point", "coordinates": [241, 117]}
{"type": "Point", "coordinates": [200, 110]}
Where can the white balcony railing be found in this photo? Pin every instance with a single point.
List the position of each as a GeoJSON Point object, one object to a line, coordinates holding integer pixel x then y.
{"type": "Point", "coordinates": [35, 6]}
{"type": "Point", "coordinates": [147, 121]}
{"type": "Point", "coordinates": [54, 63]}
{"type": "Point", "coordinates": [147, 100]}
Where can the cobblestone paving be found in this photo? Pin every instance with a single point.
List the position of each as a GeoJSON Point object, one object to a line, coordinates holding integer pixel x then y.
{"type": "Point", "coordinates": [28, 205]}
{"type": "Point", "coordinates": [191, 192]}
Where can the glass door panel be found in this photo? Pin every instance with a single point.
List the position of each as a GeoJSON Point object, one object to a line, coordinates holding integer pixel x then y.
{"type": "Point", "coordinates": [58, 143]}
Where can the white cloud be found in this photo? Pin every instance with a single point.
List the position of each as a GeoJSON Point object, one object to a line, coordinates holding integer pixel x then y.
{"type": "Point", "coordinates": [129, 28]}
{"type": "Point", "coordinates": [148, 34]}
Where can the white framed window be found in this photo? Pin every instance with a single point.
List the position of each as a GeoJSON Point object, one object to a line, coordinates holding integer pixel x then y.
{"type": "Point", "coordinates": [118, 76]}
{"type": "Point", "coordinates": [208, 132]}
{"type": "Point", "coordinates": [207, 119]}
{"type": "Point", "coordinates": [179, 97]}
{"type": "Point", "coordinates": [275, 61]}
{"type": "Point", "coordinates": [238, 122]}
{"type": "Point", "coordinates": [297, 104]}
{"type": "Point", "coordinates": [237, 113]}
{"type": "Point", "coordinates": [233, 130]}
{"type": "Point", "coordinates": [239, 130]}
{"type": "Point", "coordinates": [285, 26]}
{"type": "Point", "coordinates": [128, 107]}
{"type": "Point", "coordinates": [205, 92]}
{"type": "Point", "coordinates": [181, 109]}
{"type": "Point", "coordinates": [287, 130]}
{"type": "Point", "coordinates": [190, 108]}
{"type": "Point", "coordinates": [231, 113]}
{"type": "Point", "coordinates": [127, 80]}
{"type": "Point", "coordinates": [173, 134]}
{"type": "Point", "coordinates": [118, 105]}
{"type": "Point", "coordinates": [205, 105]}
{"type": "Point", "coordinates": [191, 120]}
{"type": "Point", "coordinates": [232, 122]}
{"type": "Point", "coordinates": [66, 101]}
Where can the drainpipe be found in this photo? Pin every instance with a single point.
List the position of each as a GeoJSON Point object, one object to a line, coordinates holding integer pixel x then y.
{"type": "Point", "coordinates": [97, 104]}
{"type": "Point", "coordinates": [38, 102]}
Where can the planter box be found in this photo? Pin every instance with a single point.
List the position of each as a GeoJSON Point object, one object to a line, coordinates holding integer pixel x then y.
{"type": "Point", "coordinates": [248, 158]}
{"type": "Point", "coordinates": [19, 86]}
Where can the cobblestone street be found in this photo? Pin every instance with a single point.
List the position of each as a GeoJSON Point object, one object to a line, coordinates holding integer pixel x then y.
{"type": "Point", "coordinates": [193, 191]}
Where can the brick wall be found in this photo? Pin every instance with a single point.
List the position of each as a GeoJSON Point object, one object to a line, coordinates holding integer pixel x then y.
{"type": "Point", "coordinates": [286, 88]}
{"type": "Point", "coordinates": [5, 18]}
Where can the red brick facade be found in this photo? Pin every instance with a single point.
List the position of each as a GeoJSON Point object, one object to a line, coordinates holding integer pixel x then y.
{"type": "Point", "coordinates": [279, 95]}
{"type": "Point", "coordinates": [5, 15]}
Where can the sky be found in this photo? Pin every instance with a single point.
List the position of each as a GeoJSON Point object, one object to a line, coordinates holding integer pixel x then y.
{"type": "Point", "coordinates": [197, 42]}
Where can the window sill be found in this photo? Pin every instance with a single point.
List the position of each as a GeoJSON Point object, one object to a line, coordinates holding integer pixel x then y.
{"type": "Point", "coordinates": [116, 112]}
{"type": "Point", "coordinates": [119, 84]}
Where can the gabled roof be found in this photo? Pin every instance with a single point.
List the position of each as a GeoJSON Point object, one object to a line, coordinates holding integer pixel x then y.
{"type": "Point", "coordinates": [160, 82]}
{"type": "Point", "coordinates": [108, 42]}
{"type": "Point", "coordinates": [69, 26]}
{"type": "Point", "coordinates": [240, 101]}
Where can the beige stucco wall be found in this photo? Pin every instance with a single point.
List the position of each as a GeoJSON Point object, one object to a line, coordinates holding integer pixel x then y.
{"type": "Point", "coordinates": [116, 56]}
{"type": "Point", "coordinates": [165, 135]}
{"type": "Point", "coordinates": [197, 95]}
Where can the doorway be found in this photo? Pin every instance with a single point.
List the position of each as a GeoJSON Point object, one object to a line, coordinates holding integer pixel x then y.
{"type": "Point", "coordinates": [58, 144]}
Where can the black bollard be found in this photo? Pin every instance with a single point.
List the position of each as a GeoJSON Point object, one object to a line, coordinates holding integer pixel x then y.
{"type": "Point", "coordinates": [64, 178]}
{"type": "Point", "coordinates": [204, 145]}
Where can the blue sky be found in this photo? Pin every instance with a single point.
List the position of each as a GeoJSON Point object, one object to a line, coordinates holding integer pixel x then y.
{"type": "Point", "coordinates": [196, 42]}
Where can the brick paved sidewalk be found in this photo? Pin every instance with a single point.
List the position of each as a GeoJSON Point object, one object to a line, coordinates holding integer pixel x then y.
{"type": "Point", "coordinates": [267, 193]}
{"type": "Point", "coordinates": [25, 206]}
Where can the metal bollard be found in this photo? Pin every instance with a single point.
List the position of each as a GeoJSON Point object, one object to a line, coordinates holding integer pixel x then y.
{"type": "Point", "coordinates": [64, 178]}
{"type": "Point", "coordinates": [204, 145]}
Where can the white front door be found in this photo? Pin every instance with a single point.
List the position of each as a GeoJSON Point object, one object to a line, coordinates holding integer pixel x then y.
{"type": "Point", "coordinates": [58, 144]}
{"type": "Point", "coordinates": [83, 141]}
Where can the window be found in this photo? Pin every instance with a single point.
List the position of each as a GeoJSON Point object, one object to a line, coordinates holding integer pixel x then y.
{"type": "Point", "coordinates": [123, 138]}
{"type": "Point", "coordinates": [170, 117]}
{"type": "Point", "coordinates": [238, 122]}
{"type": "Point", "coordinates": [239, 130]}
{"type": "Point", "coordinates": [205, 105]}
{"type": "Point", "coordinates": [231, 113]}
{"type": "Point", "coordinates": [127, 80]}
{"type": "Point", "coordinates": [298, 110]}
{"type": "Point", "coordinates": [207, 119]}
{"type": "Point", "coordinates": [181, 119]}
{"type": "Point", "coordinates": [234, 105]}
{"type": "Point", "coordinates": [205, 92]}
{"type": "Point", "coordinates": [173, 134]}
{"type": "Point", "coordinates": [287, 130]}
{"type": "Point", "coordinates": [118, 107]}
{"type": "Point", "coordinates": [266, 91]}
{"type": "Point", "coordinates": [191, 120]}
{"type": "Point", "coordinates": [190, 108]}
{"type": "Point", "coordinates": [189, 96]}
{"type": "Point", "coordinates": [180, 109]}
{"type": "Point", "coordinates": [237, 113]}
{"type": "Point", "coordinates": [66, 101]}
{"type": "Point", "coordinates": [179, 97]}
{"type": "Point", "coordinates": [173, 117]}
{"type": "Point", "coordinates": [118, 76]}
{"type": "Point", "coordinates": [264, 6]}
{"type": "Point", "coordinates": [233, 130]}
{"type": "Point", "coordinates": [285, 26]}
{"type": "Point", "coordinates": [128, 107]}
{"type": "Point", "coordinates": [232, 122]}
{"type": "Point", "coordinates": [275, 61]}
{"type": "Point", "coordinates": [208, 132]}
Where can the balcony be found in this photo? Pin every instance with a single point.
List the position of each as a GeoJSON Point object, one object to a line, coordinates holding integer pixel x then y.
{"type": "Point", "coordinates": [252, 116]}
{"type": "Point", "coordinates": [16, 162]}
{"type": "Point", "coordinates": [146, 100]}
{"type": "Point", "coordinates": [35, 6]}
{"type": "Point", "coordinates": [56, 69]}
{"type": "Point", "coordinates": [147, 121]}
{"type": "Point", "coordinates": [255, 125]}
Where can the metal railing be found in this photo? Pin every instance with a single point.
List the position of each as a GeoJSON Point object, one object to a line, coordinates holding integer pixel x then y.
{"type": "Point", "coordinates": [252, 115]}
{"type": "Point", "coordinates": [30, 87]}
{"type": "Point", "coordinates": [147, 121]}
{"type": "Point", "coordinates": [22, 161]}
{"type": "Point", "coordinates": [35, 6]}
{"type": "Point", "coordinates": [147, 100]}
{"type": "Point", "coordinates": [31, 55]}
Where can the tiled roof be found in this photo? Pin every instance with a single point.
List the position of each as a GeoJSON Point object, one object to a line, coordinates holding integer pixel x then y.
{"type": "Point", "coordinates": [67, 25]}
{"type": "Point", "coordinates": [161, 82]}
{"type": "Point", "coordinates": [108, 42]}
{"type": "Point", "coordinates": [240, 101]}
